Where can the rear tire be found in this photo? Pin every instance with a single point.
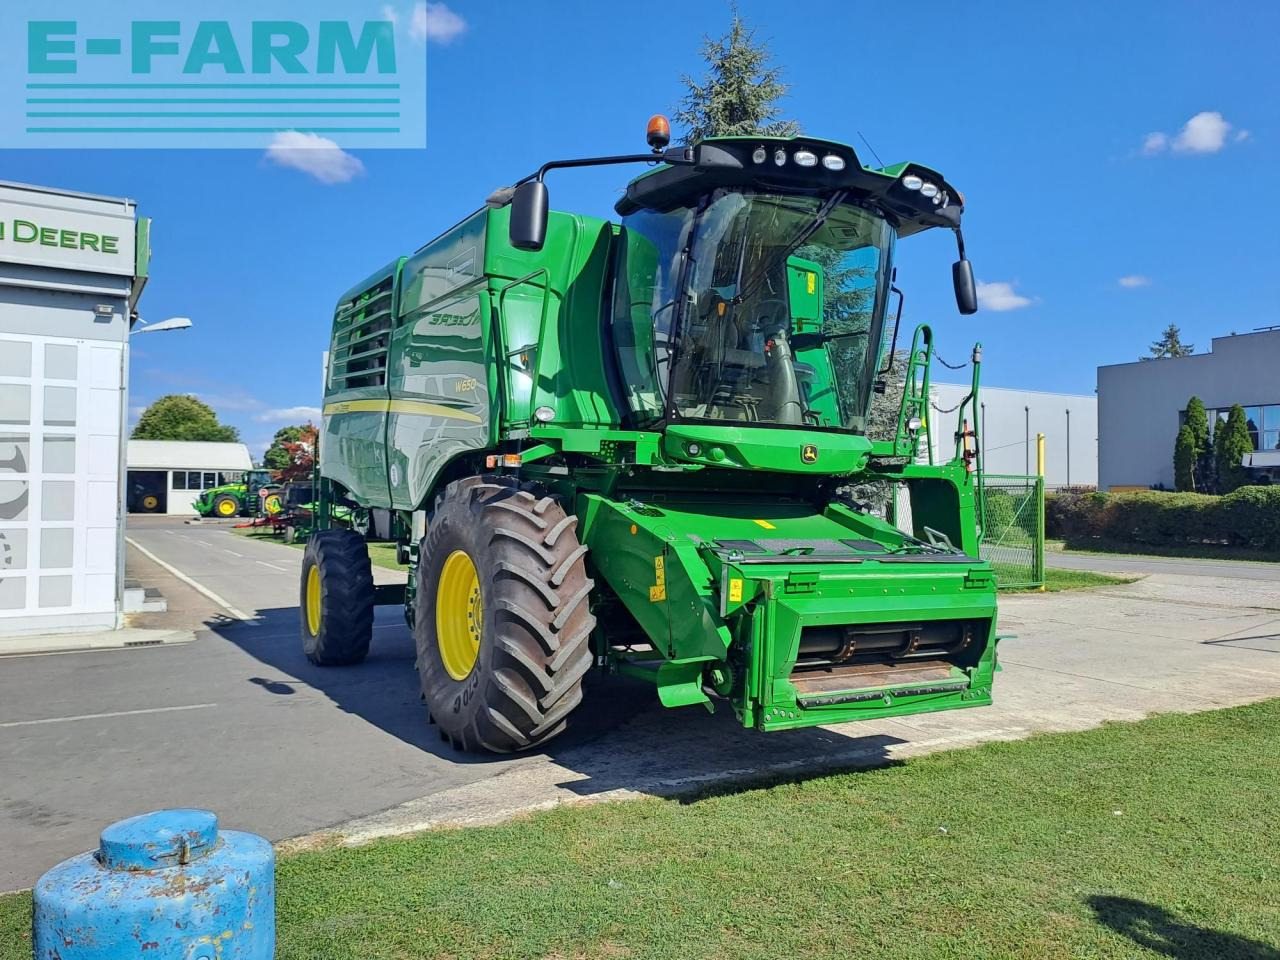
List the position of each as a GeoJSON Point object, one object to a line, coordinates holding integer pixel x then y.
{"type": "Point", "coordinates": [526, 614]}
{"type": "Point", "coordinates": [226, 506]}
{"type": "Point", "coordinates": [336, 599]}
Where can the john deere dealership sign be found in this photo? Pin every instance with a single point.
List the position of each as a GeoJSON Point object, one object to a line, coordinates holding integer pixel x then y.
{"type": "Point", "coordinates": [69, 240]}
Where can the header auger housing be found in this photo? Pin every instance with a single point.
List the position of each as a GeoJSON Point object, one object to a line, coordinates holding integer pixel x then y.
{"type": "Point", "coordinates": [634, 445]}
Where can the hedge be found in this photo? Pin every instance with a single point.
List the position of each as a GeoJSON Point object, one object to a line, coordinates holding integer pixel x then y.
{"type": "Point", "coordinates": [1248, 517]}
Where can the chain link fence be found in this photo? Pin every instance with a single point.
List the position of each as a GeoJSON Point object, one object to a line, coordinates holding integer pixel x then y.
{"type": "Point", "coordinates": [1012, 517]}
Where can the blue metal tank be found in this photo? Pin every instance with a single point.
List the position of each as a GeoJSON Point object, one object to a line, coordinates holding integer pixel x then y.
{"type": "Point", "coordinates": [163, 886]}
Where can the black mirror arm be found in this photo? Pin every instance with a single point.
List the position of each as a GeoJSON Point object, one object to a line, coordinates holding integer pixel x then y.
{"type": "Point", "coordinates": [960, 243]}
{"type": "Point", "coordinates": [676, 156]}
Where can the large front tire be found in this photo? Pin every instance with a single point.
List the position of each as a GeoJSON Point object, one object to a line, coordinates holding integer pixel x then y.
{"type": "Point", "coordinates": [502, 616]}
{"type": "Point", "coordinates": [336, 599]}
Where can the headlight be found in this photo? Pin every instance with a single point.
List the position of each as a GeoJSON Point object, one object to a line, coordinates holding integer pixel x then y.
{"type": "Point", "coordinates": [759, 155]}
{"type": "Point", "coordinates": [780, 156]}
{"type": "Point", "coordinates": [912, 182]}
{"type": "Point", "coordinates": [805, 158]}
{"type": "Point", "coordinates": [832, 162]}
{"type": "Point", "coordinates": [929, 190]}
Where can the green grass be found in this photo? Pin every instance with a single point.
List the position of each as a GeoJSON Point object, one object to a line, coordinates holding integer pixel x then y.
{"type": "Point", "coordinates": [1204, 551]}
{"type": "Point", "coordinates": [1154, 839]}
{"type": "Point", "coordinates": [381, 554]}
{"type": "Point", "coordinates": [1056, 580]}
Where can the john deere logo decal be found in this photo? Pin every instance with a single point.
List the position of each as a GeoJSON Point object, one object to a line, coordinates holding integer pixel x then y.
{"type": "Point", "coordinates": [809, 453]}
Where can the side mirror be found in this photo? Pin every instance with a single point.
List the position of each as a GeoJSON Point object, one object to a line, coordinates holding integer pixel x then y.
{"type": "Point", "coordinates": [966, 290]}
{"type": "Point", "coordinates": [528, 226]}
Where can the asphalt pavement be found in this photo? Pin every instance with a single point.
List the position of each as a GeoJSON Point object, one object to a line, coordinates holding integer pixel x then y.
{"type": "Point", "coordinates": [237, 721]}
{"type": "Point", "coordinates": [1176, 566]}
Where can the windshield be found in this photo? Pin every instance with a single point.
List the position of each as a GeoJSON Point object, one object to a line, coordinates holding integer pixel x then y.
{"type": "Point", "coordinates": [780, 316]}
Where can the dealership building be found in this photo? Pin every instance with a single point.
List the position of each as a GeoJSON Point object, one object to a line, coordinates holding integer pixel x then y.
{"type": "Point", "coordinates": [1141, 405]}
{"type": "Point", "coordinates": [72, 267]}
{"type": "Point", "coordinates": [166, 476]}
{"type": "Point", "coordinates": [1008, 422]}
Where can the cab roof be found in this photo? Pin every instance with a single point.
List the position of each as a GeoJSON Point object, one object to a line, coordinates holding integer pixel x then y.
{"type": "Point", "coordinates": [753, 162]}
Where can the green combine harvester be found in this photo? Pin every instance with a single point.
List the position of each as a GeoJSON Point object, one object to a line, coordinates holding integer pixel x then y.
{"type": "Point", "coordinates": [642, 446]}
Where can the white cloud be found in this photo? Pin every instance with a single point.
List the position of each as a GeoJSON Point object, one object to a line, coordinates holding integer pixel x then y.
{"type": "Point", "coordinates": [1134, 280]}
{"type": "Point", "coordinates": [1000, 296]}
{"type": "Point", "coordinates": [292, 414]}
{"type": "Point", "coordinates": [314, 155]}
{"type": "Point", "coordinates": [389, 13]}
{"type": "Point", "coordinates": [1206, 132]}
{"type": "Point", "coordinates": [1154, 143]}
{"type": "Point", "coordinates": [435, 21]}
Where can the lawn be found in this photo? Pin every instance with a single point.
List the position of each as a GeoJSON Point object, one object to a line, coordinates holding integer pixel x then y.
{"type": "Point", "coordinates": [381, 554]}
{"type": "Point", "coordinates": [1056, 580]}
{"type": "Point", "coordinates": [1153, 839]}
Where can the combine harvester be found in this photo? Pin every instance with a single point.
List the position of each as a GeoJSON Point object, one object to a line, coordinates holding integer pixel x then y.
{"type": "Point", "coordinates": [635, 446]}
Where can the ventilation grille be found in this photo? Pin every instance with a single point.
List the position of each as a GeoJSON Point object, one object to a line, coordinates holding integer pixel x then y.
{"type": "Point", "coordinates": [362, 338]}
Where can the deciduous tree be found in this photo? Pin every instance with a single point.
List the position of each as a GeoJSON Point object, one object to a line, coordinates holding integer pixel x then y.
{"type": "Point", "coordinates": [180, 416]}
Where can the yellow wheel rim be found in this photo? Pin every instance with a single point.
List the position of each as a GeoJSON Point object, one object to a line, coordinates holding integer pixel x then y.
{"type": "Point", "coordinates": [150, 502]}
{"type": "Point", "coordinates": [458, 615]}
{"type": "Point", "coordinates": [271, 504]}
{"type": "Point", "coordinates": [227, 508]}
{"type": "Point", "coordinates": [313, 601]}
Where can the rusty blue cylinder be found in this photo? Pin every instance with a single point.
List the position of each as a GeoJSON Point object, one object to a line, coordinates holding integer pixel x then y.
{"type": "Point", "coordinates": [167, 885]}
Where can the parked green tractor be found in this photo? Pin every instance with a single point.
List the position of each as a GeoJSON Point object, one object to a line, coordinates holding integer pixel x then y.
{"type": "Point", "coordinates": [635, 446]}
{"type": "Point", "coordinates": [255, 494]}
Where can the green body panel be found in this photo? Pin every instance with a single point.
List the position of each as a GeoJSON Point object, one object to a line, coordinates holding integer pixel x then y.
{"type": "Point", "coordinates": [724, 554]}
{"type": "Point", "coordinates": [670, 562]}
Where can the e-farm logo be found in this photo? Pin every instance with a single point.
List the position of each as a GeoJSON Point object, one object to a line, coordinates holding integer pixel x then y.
{"type": "Point", "coordinates": [150, 79]}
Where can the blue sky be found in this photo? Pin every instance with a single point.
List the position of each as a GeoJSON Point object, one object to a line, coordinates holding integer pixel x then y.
{"type": "Point", "coordinates": [1118, 163]}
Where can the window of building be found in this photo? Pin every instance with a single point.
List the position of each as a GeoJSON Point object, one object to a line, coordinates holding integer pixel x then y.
{"type": "Point", "coordinates": [1262, 422]}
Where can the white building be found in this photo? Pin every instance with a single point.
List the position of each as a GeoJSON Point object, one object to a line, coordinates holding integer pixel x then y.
{"type": "Point", "coordinates": [165, 476]}
{"type": "Point", "coordinates": [1008, 421]}
{"type": "Point", "coordinates": [72, 267]}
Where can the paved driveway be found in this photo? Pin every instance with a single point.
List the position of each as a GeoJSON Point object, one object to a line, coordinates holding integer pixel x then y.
{"type": "Point", "coordinates": [239, 722]}
{"type": "Point", "coordinates": [1176, 566]}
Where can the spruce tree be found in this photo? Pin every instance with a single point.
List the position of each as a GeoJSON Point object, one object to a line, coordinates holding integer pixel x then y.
{"type": "Point", "coordinates": [1184, 460]}
{"type": "Point", "coordinates": [739, 93]}
{"type": "Point", "coordinates": [1202, 464]}
{"type": "Point", "coordinates": [1170, 345]}
{"type": "Point", "coordinates": [1231, 444]}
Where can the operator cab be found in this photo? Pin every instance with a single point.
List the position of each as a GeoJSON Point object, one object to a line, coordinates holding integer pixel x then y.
{"type": "Point", "coordinates": [753, 277]}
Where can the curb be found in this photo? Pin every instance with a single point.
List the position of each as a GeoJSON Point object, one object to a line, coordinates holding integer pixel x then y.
{"type": "Point", "coordinates": [96, 640]}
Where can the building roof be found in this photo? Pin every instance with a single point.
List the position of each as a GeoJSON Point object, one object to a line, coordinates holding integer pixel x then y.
{"type": "Point", "coordinates": [186, 455]}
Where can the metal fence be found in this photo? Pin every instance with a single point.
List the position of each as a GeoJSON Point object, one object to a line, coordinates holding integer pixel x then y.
{"type": "Point", "coordinates": [1012, 518]}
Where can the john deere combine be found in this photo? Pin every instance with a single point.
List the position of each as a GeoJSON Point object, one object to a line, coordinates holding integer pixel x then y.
{"type": "Point", "coordinates": [635, 446]}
